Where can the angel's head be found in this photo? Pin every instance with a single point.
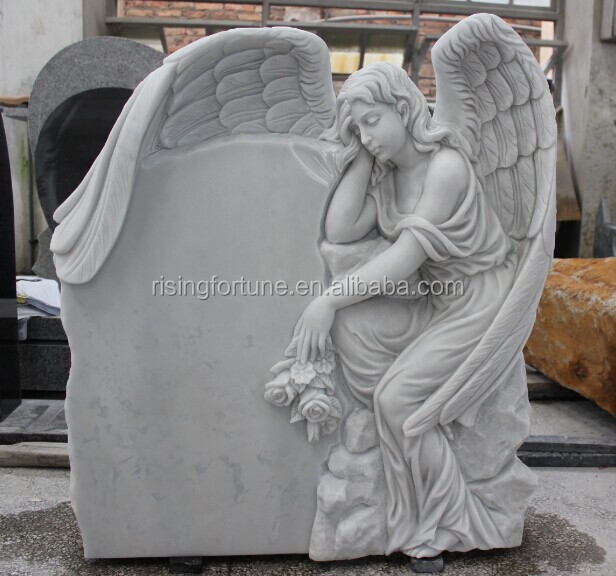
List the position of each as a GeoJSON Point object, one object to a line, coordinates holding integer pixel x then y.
{"type": "Point", "coordinates": [380, 108]}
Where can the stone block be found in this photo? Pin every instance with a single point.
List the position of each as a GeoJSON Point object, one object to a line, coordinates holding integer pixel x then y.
{"type": "Point", "coordinates": [360, 431]}
{"type": "Point", "coordinates": [344, 464]}
{"type": "Point", "coordinates": [332, 494]}
{"type": "Point", "coordinates": [44, 367]}
{"type": "Point", "coordinates": [574, 337]}
{"type": "Point", "coordinates": [362, 532]}
{"type": "Point", "coordinates": [46, 328]}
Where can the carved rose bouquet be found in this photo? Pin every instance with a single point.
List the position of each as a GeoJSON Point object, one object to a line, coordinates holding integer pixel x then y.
{"type": "Point", "coordinates": [308, 388]}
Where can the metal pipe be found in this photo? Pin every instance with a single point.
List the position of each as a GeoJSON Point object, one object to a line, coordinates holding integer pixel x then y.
{"type": "Point", "coordinates": [355, 17]}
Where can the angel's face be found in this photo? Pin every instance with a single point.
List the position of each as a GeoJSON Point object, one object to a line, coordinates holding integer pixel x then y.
{"type": "Point", "coordinates": [380, 128]}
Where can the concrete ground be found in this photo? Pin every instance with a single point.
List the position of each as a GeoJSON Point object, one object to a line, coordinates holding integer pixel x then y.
{"type": "Point", "coordinates": [570, 531]}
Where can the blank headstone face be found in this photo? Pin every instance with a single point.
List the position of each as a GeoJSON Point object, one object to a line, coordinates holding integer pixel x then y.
{"type": "Point", "coordinates": [174, 450]}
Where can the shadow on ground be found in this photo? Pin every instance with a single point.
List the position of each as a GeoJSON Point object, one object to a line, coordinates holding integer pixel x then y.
{"type": "Point", "coordinates": [47, 542]}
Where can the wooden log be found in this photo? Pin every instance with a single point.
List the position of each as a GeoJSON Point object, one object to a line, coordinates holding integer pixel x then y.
{"type": "Point", "coordinates": [35, 455]}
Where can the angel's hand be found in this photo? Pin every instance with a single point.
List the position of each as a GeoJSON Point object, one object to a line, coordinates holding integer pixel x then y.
{"type": "Point", "coordinates": [313, 328]}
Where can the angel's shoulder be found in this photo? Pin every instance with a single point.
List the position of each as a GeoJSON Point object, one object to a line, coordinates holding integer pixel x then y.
{"type": "Point", "coordinates": [447, 176]}
{"type": "Point", "coordinates": [446, 182]}
{"type": "Point", "coordinates": [447, 172]}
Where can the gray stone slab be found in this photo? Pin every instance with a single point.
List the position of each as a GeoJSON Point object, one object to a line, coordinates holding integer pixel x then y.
{"type": "Point", "coordinates": [35, 421]}
{"type": "Point", "coordinates": [44, 266]}
{"type": "Point", "coordinates": [542, 388]}
{"type": "Point", "coordinates": [605, 232]}
{"type": "Point", "coordinates": [44, 367]}
{"type": "Point", "coordinates": [100, 62]}
{"type": "Point", "coordinates": [569, 444]}
{"type": "Point", "coordinates": [581, 419]}
{"type": "Point", "coordinates": [46, 328]}
{"type": "Point", "coordinates": [567, 459]}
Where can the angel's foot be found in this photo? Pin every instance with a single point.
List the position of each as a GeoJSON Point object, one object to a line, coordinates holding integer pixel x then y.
{"type": "Point", "coordinates": [427, 565]}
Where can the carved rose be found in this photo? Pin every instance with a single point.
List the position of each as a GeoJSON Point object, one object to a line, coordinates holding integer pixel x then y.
{"type": "Point", "coordinates": [325, 364]}
{"type": "Point", "coordinates": [279, 391]}
{"type": "Point", "coordinates": [314, 405]}
{"type": "Point", "coordinates": [303, 373]}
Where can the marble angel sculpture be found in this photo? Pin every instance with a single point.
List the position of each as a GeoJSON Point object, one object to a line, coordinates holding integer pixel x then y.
{"type": "Point", "coordinates": [466, 199]}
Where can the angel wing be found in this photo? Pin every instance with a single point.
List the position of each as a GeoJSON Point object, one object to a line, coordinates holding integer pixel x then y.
{"type": "Point", "coordinates": [491, 89]}
{"type": "Point", "coordinates": [270, 80]}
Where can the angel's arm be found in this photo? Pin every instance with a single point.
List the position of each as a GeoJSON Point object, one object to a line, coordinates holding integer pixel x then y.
{"type": "Point", "coordinates": [446, 179]}
{"type": "Point", "coordinates": [352, 213]}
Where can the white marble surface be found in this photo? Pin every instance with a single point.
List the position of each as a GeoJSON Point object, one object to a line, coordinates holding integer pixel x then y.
{"type": "Point", "coordinates": [173, 450]}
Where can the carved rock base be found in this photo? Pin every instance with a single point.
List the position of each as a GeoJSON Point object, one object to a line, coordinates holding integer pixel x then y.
{"type": "Point", "coordinates": [351, 497]}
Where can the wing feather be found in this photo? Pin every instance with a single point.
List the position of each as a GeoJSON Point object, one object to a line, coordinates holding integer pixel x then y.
{"type": "Point", "coordinates": [192, 116]}
{"type": "Point", "coordinates": [516, 80]}
{"type": "Point", "coordinates": [489, 55]}
{"type": "Point", "coordinates": [204, 85]}
{"type": "Point", "coordinates": [243, 109]}
{"type": "Point", "coordinates": [490, 189]}
{"type": "Point", "coordinates": [474, 70]}
{"type": "Point", "coordinates": [543, 111]}
{"type": "Point", "coordinates": [200, 133]}
{"type": "Point", "coordinates": [239, 85]}
{"type": "Point", "coordinates": [281, 89]}
{"type": "Point", "coordinates": [499, 89]}
{"type": "Point", "coordinates": [525, 128]}
{"type": "Point", "coordinates": [506, 195]}
{"type": "Point", "coordinates": [524, 182]}
{"type": "Point", "coordinates": [281, 117]}
{"type": "Point", "coordinates": [545, 166]}
{"type": "Point", "coordinates": [506, 139]}
{"type": "Point", "coordinates": [238, 62]}
{"type": "Point", "coordinates": [488, 154]}
{"type": "Point", "coordinates": [485, 103]}
{"type": "Point", "coordinates": [279, 66]}
{"type": "Point", "coordinates": [254, 126]}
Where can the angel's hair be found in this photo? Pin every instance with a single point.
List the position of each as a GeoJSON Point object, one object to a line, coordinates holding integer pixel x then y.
{"type": "Point", "coordinates": [390, 84]}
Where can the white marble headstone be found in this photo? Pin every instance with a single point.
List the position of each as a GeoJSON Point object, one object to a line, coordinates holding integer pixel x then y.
{"type": "Point", "coordinates": [222, 173]}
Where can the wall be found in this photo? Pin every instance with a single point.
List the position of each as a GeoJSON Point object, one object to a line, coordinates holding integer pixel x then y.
{"type": "Point", "coordinates": [31, 32]}
{"type": "Point", "coordinates": [589, 103]}
{"type": "Point", "coordinates": [179, 37]}
{"type": "Point", "coordinates": [94, 13]}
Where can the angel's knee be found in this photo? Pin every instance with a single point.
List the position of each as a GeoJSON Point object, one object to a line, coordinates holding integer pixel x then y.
{"type": "Point", "coordinates": [386, 399]}
{"type": "Point", "coordinates": [345, 329]}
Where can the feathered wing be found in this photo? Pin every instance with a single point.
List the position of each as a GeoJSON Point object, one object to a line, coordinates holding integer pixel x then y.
{"type": "Point", "coordinates": [271, 80]}
{"type": "Point", "coordinates": [492, 90]}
